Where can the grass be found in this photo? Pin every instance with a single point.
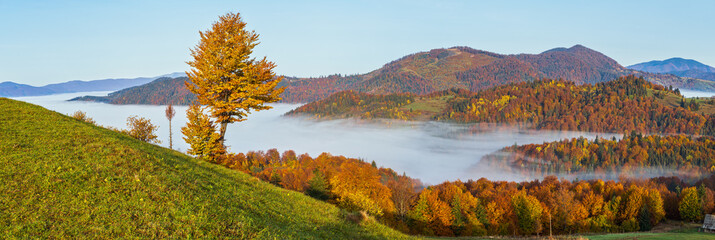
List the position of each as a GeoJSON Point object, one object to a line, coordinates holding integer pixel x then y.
{"type": "Point", "coordinates": [62, 178]}
{"type": "Point", "coordinates": [428, 107]}
{"type": "Point", "coordinates": [690, 234]}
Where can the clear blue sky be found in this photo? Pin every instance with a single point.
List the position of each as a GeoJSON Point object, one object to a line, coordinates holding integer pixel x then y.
{"type": "Point", "coordinates": [45, 42]}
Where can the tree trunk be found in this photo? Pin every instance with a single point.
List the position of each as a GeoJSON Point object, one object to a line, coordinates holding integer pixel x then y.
{"type": "Point", "coordinates": [170, 142]}
{"type": "Point", "coordinates": [222, 132]}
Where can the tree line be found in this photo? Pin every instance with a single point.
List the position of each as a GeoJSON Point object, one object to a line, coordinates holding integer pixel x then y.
{"type": "Point", "coordinates": [481, 207]}
{"type": "Point", "coordinates": [634, 155]}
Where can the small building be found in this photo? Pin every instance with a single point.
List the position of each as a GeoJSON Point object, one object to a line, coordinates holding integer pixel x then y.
{"type": "Point", "coordinates": [709, 223]}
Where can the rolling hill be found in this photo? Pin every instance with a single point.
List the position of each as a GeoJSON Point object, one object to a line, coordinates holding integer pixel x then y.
{"type": "Point", "coordinates": [63, 178]}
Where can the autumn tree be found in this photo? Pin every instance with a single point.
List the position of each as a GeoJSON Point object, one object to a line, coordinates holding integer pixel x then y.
{"type": "Point", "coordinates": [170, 112]}
{"type": "Point", "coordinates": [357, 187]}
{"type": "Point", "coordinates": [226, 78]}
{"type": "Point", "coordinates": [690, 207]}
{"type": "Point", "coordinates": [142, 129]}
{"type": "Point", "coordinates": [200, 134]}
{"type": "Point", "coordinates": [82, 116]}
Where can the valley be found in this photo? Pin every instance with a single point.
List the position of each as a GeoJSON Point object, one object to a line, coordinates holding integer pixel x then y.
{"type": "Point", "coordinates": [436, 120]}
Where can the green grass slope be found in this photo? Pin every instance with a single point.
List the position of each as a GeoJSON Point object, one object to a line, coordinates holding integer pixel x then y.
{"type": "Point", "coordinates": [62, 178]}
{"type": "Point", "coordinates": [690, 233]}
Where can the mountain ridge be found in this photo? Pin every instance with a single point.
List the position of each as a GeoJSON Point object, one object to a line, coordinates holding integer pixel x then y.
{"type": "Point", "coordinates": [466, 68]}
{"type": "Point", "coordinates": [474, 70]}
{"type": "Point", "coordinates": [12, 89]}
{"type": "Point", "coordinates": [681, 67]}
{"type": "Point", "coordinates": [675, 64]}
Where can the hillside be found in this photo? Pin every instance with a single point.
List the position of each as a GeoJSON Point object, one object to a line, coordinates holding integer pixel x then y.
{"type": "Point", "coordinates": [634, 155]}
{"type": "Point", "coordinates": [679, 67]}
{"type": "Point", "coordinates": [474, 70]}
{"type": "Point", "coordinates": [623, 105]}
{"type": "Point", "coordinates": [164, 90]}
{"type": "Point", "coordinates": [482, 207]}
{"type": "Point", "coordinates": [63, 178]}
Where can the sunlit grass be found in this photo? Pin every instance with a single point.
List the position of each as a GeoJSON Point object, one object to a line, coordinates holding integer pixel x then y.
{"type": "Point", "coordinates": [62, 178]}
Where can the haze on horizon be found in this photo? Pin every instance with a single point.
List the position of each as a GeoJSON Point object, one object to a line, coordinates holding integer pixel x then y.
{"type": "Point", "coordinates": [47, 42]}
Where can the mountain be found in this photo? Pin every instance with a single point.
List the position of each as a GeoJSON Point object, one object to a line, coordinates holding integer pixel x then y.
{"type": "Point", "coordinates": [64, 178]}
{"type": "Point", "coordinates": [464, 68]}
{"type": "Point", "coordinates": [679, 67]}
{"type": "Point", "coordinates": [10, 89]}
{"type": "Point", "coordinates": [474, 70]}
{"type": "Point", "coordinates": [626, 104]}
{"type": "Point", "coordinates": [96, 85]}
{"type": "Point", "coordinates": [672, 65]}
{"type": "Point", "coordinates": [161, 91]}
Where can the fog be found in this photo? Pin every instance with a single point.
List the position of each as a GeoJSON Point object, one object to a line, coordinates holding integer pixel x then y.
{"type": "Point", "coordinates": [431, 151]}
{"type": "Point", "coordinates": [500, 166]}
{"type": "Point", "coordinates": [693, 93]}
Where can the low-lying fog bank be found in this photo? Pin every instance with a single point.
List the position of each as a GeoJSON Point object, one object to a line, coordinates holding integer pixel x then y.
{"type": "Point", "coordinates": [503, 165]}
{"type": "Point", "coordinates": [693, 93]}
{"type": "Point", "coordinates": [431, 151]}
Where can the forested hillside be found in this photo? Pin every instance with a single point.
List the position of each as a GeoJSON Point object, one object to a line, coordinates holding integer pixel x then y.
{"type": "Point", "coordinates": [482, 207]}
{"type": "Point", "coordinates": [474, 70]}
{"type": "Point", "coordinates": [158, 92]}
{"type": "Point", "coordinates": [623, 105]}
{"type": "Point", "coordinates": [634, 155]}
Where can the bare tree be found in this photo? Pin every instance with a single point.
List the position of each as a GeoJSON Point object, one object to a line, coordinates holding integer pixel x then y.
{"type": "Point", "coordinates": [170, 112]}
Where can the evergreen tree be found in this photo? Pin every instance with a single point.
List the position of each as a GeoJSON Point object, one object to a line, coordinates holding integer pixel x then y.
{"type": "Point", "coordinates": [318, 187]}
{"type": "Point", "coordinates": [690, 206]}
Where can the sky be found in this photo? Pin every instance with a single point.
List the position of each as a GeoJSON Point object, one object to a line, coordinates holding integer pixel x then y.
{"type": "Point", "coordinates": [43, 42]}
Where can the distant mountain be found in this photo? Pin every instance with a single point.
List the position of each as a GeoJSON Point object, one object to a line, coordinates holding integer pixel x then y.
{"type": "Point", "coordinates": [672, 65]}
{"type": "Point", "coordinates": [161, 91]}
{"type": "Point", "coordinates": [474, 70]}
{"type": "Point", "coordinates": [679, 67]}
{"type": "Point", "coordinates": [710, 76]}
{"type": "Point", "coordinates": [10, 89]}
{"type": "Point", "coordinates": [173, 75]}
{"type": "Point", "coordinates": [96, 85]}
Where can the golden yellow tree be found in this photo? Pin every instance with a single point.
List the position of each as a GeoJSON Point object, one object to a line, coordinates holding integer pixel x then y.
{"type": "Point", "coordinates": [226, 78]}
{"type": "Point", "coordinates": [357, 187]}
{"type": "Point", "coordinates": [200, 134]}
